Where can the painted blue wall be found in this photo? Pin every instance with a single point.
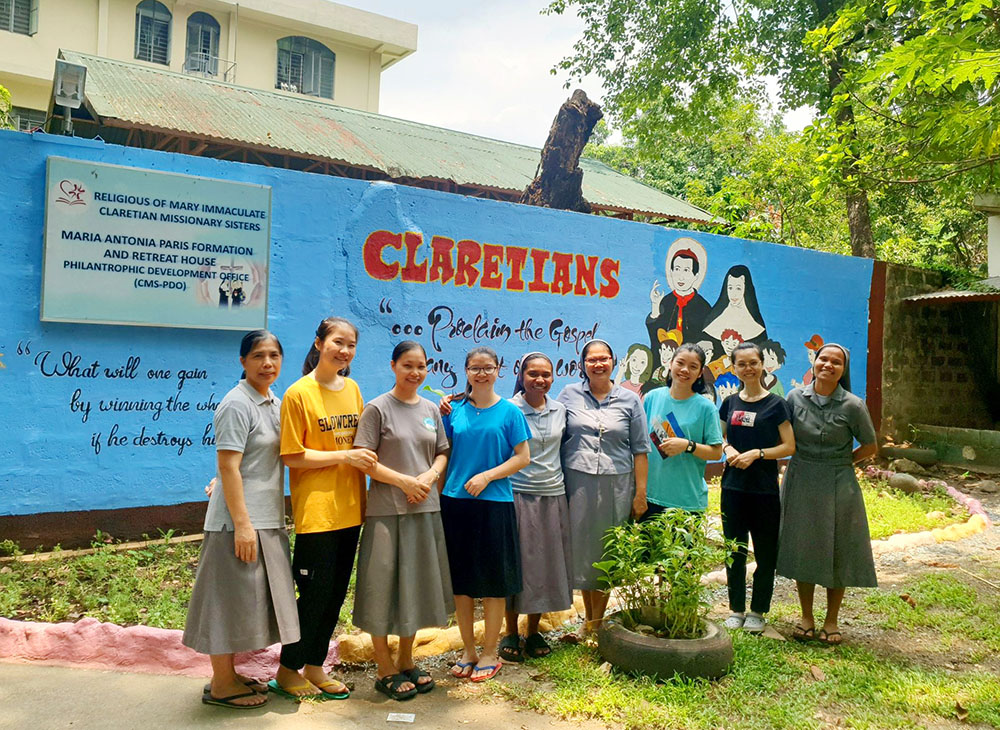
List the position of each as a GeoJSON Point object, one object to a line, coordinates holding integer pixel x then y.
{"type": "Point", "coordinates": [48, 458]}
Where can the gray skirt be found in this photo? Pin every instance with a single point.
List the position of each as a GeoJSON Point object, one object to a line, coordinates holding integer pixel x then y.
{"type": "Point", "coordinates": [546, 565]}
{"type": "Point", "coordinates": [403, 582]}
{"type": "Point", "coordinates": [237, 606]}
{"type": "Point", "coordinates": [596, 502]}
{"type": "Point", "coordinates": [824, 527]}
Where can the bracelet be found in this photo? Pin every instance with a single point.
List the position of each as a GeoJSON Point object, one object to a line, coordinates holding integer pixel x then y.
{"type": "Point", "coordinates": [437, 474]}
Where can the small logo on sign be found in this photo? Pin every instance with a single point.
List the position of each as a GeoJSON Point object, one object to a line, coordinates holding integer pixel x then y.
{"type": "Point", "coordinates": [72, 193]}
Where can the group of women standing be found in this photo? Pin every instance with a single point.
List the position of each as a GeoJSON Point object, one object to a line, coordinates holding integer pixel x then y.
{"type": "Point", "coordinates": [505, 501]}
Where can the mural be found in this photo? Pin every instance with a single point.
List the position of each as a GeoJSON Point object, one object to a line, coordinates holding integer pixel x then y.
{"type": "Point", "coordinates": [103, 416]}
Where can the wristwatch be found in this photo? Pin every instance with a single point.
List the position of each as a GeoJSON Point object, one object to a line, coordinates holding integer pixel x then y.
{"type": "Point", "coordinates": [760, 453]}
{"type": "Point", "coordinates": [690, 446]}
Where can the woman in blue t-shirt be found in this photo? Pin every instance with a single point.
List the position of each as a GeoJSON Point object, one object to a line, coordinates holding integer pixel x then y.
{"type": "Point", "coordinates": [489, 442]}
{"type": "Point", "coordinates": [684, 428]}
{"type": "Point", "coordinates": [757, 425]}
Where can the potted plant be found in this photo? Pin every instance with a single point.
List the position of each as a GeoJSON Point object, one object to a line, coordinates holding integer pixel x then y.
{"type": "Point", "coordinates": [656, 568]}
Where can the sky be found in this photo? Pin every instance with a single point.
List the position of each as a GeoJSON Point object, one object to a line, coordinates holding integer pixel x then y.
{"type": "Point", "coordinates": [484, 68]}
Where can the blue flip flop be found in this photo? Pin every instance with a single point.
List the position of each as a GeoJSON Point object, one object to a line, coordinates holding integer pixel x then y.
{"type": "Point", "coordinates": [493, 669]}
{"type": "Point", "coordinates": [462, 667]}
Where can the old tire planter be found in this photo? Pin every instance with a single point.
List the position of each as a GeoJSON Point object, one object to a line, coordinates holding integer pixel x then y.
{"type": "Point", "coordinates": [709, 656]}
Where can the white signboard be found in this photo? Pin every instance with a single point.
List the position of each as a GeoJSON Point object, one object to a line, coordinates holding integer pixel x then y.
{"type": "Point", "coordinates": [138, 247]}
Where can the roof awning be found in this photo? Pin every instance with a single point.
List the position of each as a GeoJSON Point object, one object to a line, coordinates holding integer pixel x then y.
{"type": "Point", "coordinates": [205, 113]}
{"type": "Point", "coordinates": [948, 296]}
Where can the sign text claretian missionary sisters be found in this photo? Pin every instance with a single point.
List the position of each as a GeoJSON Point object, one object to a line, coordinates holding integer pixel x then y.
{"type": "Point", "coordinates": [137, 247]}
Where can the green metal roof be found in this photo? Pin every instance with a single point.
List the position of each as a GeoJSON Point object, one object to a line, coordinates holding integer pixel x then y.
{"type": "Point", "coordinates": [129, 95]}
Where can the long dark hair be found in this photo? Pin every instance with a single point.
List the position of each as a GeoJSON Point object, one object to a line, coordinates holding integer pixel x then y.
{"type": "Point", "coordinates": [698, 386]}
{"type": "Point", "coordinates": [525, 359]}
{"type": "Point", "coordinates": [322, 331]}
{"type": "Point", "coordinates": [743, 347]}
{"type": "Point", "coordinates": [252, 339]}
{"type": "Point", "coordinates": [481, 350]}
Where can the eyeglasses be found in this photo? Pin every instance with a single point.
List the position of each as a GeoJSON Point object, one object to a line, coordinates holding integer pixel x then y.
{"type": "Point", "coordinates": [598, 360]}
{"type": "Point", "coordinates": [487, 370]}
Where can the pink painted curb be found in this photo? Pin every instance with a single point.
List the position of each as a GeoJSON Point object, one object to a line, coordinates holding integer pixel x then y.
{"type": "Point", "coordinates": [89, 643]}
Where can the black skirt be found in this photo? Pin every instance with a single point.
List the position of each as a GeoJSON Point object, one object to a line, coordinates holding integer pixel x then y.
{"type": "Point", "coordinates": [483, 548]}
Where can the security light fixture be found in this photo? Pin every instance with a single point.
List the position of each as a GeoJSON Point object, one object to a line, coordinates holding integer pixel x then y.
{"type": "Point", "coordinates": [67, 89]}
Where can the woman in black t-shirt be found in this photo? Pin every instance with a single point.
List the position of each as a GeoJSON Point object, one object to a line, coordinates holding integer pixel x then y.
{"type": "Point", "coordinates": [758, 430]}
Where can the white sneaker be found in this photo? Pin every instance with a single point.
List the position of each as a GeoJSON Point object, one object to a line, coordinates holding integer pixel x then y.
{"type": "Point", "coordinates": [754, 624]}
{"type": "Point", "coordinates": [735, 621]}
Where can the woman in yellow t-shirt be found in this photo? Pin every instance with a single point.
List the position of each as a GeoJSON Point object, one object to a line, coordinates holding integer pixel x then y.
{"type": "Point", "coordinates": [319, 415]}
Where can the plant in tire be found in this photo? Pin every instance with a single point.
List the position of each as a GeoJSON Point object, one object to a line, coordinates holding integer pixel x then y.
{"type": "Point", "coordinates": [656, 568]}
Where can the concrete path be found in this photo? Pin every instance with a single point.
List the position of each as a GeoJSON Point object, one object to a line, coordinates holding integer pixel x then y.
{"type": "Point", "coordinates": [36, 697]}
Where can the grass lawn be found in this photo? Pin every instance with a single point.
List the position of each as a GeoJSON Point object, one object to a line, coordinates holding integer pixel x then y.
{"type": "Point", "coordinates": [889, 510]}
{"type": "Point", "coordinates": [773, 684]}
{"type": "Point", "coordinates": [149, 586]}
{"type": "Point", "coordinates": [152, 585]}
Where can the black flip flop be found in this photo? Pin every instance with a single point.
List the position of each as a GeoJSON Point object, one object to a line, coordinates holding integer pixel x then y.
{"type": "Point", "coordinates": [390, 686]}
{"type": "Point", "coordinates": [207, 698]}
{"type": "Point", "coordinates": [416, 673]}
{"type": "Point", "coordinates": [510, 649]}
{"type": "Point", "coordinates": [535, 646]}
{"type": "Point", "coordinates": [803, 635]}
{"type": "Point", "coordinates": [827, 639]}
{"type": "Point", "coordinates": [249, 683]}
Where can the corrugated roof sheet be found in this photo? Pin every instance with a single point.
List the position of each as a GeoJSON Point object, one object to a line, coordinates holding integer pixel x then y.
{"type": "Point", "coordinates": [947, 296]}
{"type": "Point", "coordinates": [125, 94]}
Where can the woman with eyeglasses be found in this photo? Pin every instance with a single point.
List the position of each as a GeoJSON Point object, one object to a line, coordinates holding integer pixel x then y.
{"type": "Point", "coordinates": [489, 442]}
{"type": "Point", "coordinates": [605, 463]}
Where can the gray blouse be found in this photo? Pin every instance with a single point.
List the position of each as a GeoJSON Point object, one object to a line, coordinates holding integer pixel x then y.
{"type": "Point", "coordinates": [602, 436]}
{"type": "Point", "coordinates": [826, 431]}
{"type": "Point", "coordinates": [544, 475]}
{"type": "Point", "coordinates": [249, 422]}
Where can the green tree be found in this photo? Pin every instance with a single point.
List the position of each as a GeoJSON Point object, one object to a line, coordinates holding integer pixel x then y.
{"type": "Point", "coordinates": [758, 177]}
{"type": "Point", "coordinates": [747, 170]}
{"type": "Point", "coordinates": [5, 109]}
{"type": "Point", "coordinates": [925, 101]}
{"type": "Point", "coordinates": [926, 94]}
{"type": "Point", "coordinates": [677, 64]}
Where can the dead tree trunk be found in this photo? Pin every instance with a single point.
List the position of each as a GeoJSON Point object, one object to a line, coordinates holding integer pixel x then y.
{"type": "Point", "coordinates": [558, 181]}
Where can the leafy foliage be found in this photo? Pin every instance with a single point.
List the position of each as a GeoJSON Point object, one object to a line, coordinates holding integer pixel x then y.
{"type": "Point", "coordinates": [5, 109]}
{"type": "Point", "coordinates": [906, 93]}
{"type": "Point", "coordinates": [656, 567]}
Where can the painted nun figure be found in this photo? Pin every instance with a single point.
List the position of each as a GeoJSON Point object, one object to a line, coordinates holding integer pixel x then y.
{"type": "Point", "coordinates": [736, 309]}
{"type": "Point", "coordinates": [824, 527]}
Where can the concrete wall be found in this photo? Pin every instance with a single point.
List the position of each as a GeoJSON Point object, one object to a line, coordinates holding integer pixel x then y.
{"type": "Point", "coordinates": [931, 370]}
{"type": "Point", "coordinates": [363, 43]}
{"type": "Point", "coordinates": [332, 251]}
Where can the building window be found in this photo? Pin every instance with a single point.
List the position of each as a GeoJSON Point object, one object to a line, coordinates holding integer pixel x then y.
{"type": "Point", "coordinates": [305, 66]}
{"type": "Point", "coordinates": [27, 120]}
{"type": "Point", "coordinates": [19, 16]}
{"type": "Point", "coordinates": [202, 52]}
{"type": "Point", "coordinates": [152, 32]}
